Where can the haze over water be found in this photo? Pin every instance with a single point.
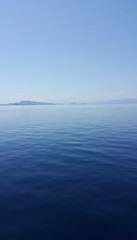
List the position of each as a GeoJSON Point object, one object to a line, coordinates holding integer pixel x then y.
{"type": "Point", "coordinates": [68, 172]}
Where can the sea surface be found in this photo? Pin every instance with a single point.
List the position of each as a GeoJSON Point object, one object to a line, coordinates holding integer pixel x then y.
{"type": "Point", "coordinates": [68, 172]}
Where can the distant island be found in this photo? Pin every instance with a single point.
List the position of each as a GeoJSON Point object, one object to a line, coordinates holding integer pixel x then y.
{"type": "Point", "coordinates": [27, 103]}
{"type": "Point", "coordinates": [34, 103]}
{"type": "Point", "coordinates": [119, 101]}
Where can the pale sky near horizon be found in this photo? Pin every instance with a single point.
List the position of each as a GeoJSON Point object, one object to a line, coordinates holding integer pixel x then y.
{"type": "Point", "coordinates": [65, 51]}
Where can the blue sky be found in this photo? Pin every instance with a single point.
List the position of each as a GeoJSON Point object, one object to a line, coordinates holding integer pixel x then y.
{"type": "Point", "coordinates": [64, 51]}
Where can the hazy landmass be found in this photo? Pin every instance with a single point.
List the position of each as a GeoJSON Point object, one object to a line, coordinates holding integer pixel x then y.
{"type": "Point", "coordinates": [27, 103]}
{"type": "Point", "coordinates": [24, 103]}
{"type": "Point", "coordinates": [75, 103]}
{"type": "Point", "coordinates": [120, 101]}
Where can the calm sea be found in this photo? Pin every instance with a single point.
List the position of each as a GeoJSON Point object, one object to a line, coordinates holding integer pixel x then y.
{"type": "Point", "coordinates": [68, 172]}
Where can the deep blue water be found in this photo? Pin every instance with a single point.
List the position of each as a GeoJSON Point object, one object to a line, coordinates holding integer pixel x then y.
{"type": "Point", "coordinates": [68, 172]}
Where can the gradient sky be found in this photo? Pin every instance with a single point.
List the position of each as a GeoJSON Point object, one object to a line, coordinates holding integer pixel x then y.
{"type": "Point", "coordinates": [64, 51]}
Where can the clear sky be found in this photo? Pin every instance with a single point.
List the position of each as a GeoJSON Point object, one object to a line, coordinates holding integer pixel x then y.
{"type": "Point", "coordinates": [68, 50]}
